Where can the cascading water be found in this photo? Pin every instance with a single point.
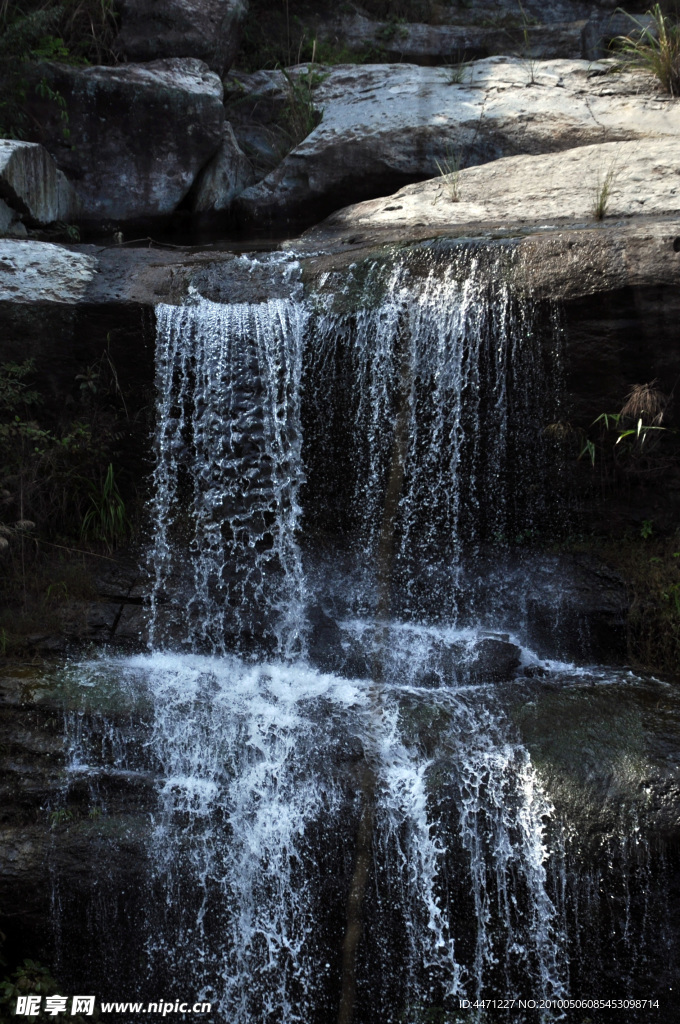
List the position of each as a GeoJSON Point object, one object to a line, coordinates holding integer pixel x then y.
{"type": "Point", "coordinates": [330, 478]}
{"type": "Point", "coordinates": [228, 469]}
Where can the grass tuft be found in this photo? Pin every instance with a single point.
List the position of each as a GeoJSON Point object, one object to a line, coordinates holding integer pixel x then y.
{"type": "Point", "coordinates": [654, 48]}
{"type": "Point", "coordinates": [603, 190]}
{"type": "Point", "coordinates": [449, 169]}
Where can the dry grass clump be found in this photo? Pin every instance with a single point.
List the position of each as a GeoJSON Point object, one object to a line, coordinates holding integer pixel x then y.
{"type": "Point", "coordinates": [646, 402]}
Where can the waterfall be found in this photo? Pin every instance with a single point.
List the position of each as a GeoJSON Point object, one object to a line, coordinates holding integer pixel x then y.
{"type": "Point", "coordinates": [338, 481]}
{"type": "Point", "coordinates": [279, 422]}
{"type": "Point", "coordinates": [228, 472]}
{"type": "Point", "coordinates": [254, 827]}
{"type": "Point", "coordinates": [474, 372]}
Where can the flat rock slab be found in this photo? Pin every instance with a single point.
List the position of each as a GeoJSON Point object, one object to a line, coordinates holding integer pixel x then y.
{"type": "Point", "coordinates": [384, 126]}
{"type": "Point", "coordinates": [613, 180]}
{"type": "Point", "coordinates": [38, 272]}
{"type": "Point", "coordinates": [561, 263]}
{"type": "Point", "coordinates": [32, 185]}
{"type": "Point", "coordinates": [138, 133]}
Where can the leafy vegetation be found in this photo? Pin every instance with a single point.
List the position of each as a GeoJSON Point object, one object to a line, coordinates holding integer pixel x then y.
{"type": "Point", "coordinates": [654, 48]}
{"type": "Point", "coordinates": [47, 473]}
{"type": "Point", "coordinates": [300, 115]}
{"type": "Point", "coordinates": [106, 519]}
{"type": "Point", "coordinates": [70, 31]}
{"type": "Point", "coordinates": [631, 441]}
{"type": "Point", "coordinates": [603, 191]}
{"type": "Point", "coordinates": [32, 979]}
{"type": "Point", "coordinates": [449, 169]}
{"type": "Point", "coordinates": [278, 35]}
{"type": "Point", "coordinates": [628, 451]}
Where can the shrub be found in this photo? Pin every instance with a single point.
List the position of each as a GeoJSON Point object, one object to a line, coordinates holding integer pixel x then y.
{"type": "Point", "coordinates": [47, 468]}
{"type": "Point", "coordinates": [73, 32]}
{"type": "Point", "coordinates": [300, 115]}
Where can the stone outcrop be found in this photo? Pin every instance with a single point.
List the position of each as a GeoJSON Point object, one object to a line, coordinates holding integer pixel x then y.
{"type": "Point", "coordinates": [600, 31]}
{"type": "Point", "coordinates": [419, 43]}
{"type": "Point", "coordinates": [11, 224]}
{"type": "Point", "coordinates": [613, 180]}
{"type": "Point", "coordinates": [32, 188]}
{"type": "Point", "coordinates": [385, 126]}
{"type": "Point", "coordinates": [605, 752]}
{"type": "Point", "coordinates": [138, 134]}
{"type": "Point", "coordinates": [451, 33]}
{"type": "Point", "coordinates": [207, 29]}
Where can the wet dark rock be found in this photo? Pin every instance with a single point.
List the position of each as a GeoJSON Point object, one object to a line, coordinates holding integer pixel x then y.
{"type": "Point", "coordinates": [493, 660]}
{"type": "Point", "coordinates": [585, 620]}
{"type": "Point", "coordinates": [608, 755]}
{"type": "Point", "coordinates": [325, 640]}
{"type": "Point", "coordinates": [207, 29]}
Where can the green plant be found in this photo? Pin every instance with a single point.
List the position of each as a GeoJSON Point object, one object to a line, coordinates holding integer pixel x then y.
{"type": "Point", "coordinates": [31, 31]}
{"type": "Point", "coordinates": [455, 73]}
{"type": "Point", "coordinates": [46, 92]}
{"type": "Point", "coordinates": [646, 530]}
{"type": "Point", "coordinates": [449, 169]}
{"type": "Point", "coordinates": [46, 472]}
{"type": "Point", "coordinates": [528, 55]}
{"type": "Point", "coordinates": [300, 114]}
{"type": "Point", "coordinates": [394, 30]}
{"type": "Point", "coordinates": [30, 978]}
{"type": "Point", "coordinates": [106, 520]}
{"type": "Point", "coordinates": [655, 48]}
{"type": "Point", "coordinates": [60, 817]}
{"type": "Point", "coordinates": [631, 438]}
{"type": "Point", "coordinates": [603, 189]}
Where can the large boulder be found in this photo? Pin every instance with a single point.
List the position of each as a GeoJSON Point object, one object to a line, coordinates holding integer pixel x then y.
{"type": "Point", "coordinates": [137, 134]}
{"type": "Point", "coordinates": [586, 184]}
{"type": "Point", "coordinates": [207, 29]}
{"type": "Point", "coordinates": [439, 33]}
{"type": "Point", "coordinates": [384, 126]}
{"type": "Point", "coordinates": [39, 272]}
{"type": "Point", "coordinates": [31, 185]}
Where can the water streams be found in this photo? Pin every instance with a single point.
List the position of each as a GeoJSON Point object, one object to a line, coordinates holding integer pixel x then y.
{"type": "Point", "coordinates": [331, 478]}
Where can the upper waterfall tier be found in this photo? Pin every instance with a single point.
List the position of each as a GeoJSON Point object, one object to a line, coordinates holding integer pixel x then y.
{"type": "Point", "coordinates": [402, 413]}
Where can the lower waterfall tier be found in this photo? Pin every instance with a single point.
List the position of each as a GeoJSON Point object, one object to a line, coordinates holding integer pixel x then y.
{"type": "Point", "coordinates": [523, 841]}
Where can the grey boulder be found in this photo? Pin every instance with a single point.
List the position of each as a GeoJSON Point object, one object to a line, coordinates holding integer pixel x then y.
{"type": "Point", "coordinates": [384, 126]}
{"type": "Point", "coordinates": [137, 134]}
{"type": "Point", "coordinates": [207, 29]}
{"type": "Point", "coordinates": [32, 188]}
